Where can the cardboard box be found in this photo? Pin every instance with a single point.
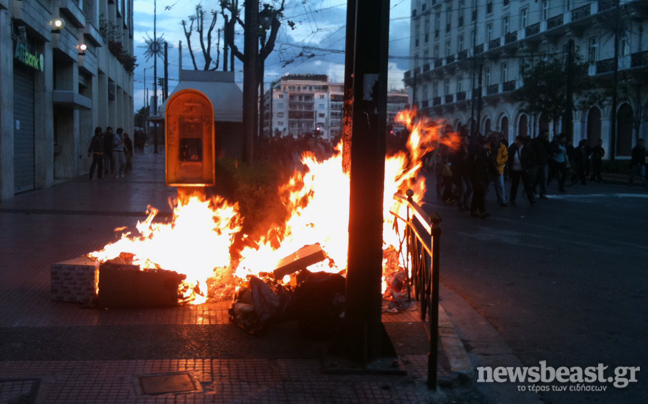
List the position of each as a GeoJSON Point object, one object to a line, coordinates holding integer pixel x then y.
{"type": "Point", "coordinates": [75, 280]}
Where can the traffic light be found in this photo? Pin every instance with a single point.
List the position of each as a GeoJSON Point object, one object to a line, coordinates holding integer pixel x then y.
{"type": "Point", "coordinates": [318, 131]}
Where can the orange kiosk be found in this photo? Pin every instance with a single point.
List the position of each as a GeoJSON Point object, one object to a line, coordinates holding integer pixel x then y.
{"type": "Point", "coordinates": [190, 148]}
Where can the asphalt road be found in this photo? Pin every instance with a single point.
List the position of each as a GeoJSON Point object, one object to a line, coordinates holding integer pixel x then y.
{"type": "Point", "coordinates": [564, 281]}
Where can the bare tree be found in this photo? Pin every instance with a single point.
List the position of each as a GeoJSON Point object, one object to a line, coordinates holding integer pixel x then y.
{"type": "Point", "coordinates": [204, 37]}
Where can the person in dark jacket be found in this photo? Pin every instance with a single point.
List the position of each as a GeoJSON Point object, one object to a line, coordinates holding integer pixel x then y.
{"type": "Point", "coordinates": [638, 164]}
{"type": "Point", "coordinates": [480, 167]}
{"type": "Point", "coordinates": [598, 152]}
{"type": "Point", "coordinates": [580, 161]}
{"type": "Point", "coordinates": [542, 151]}
{"type": "Point", "coordinates": [109, 160]}
{"type": "Point", "coordinates": [96, 148]}
{"type": "Point", "coordinates": [461, 174]}
{"type": "Point", "coordinates": [520, 162]}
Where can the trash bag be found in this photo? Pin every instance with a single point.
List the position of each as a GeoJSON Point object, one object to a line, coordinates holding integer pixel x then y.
{"type": "Point", "coordinates": [258, 305]}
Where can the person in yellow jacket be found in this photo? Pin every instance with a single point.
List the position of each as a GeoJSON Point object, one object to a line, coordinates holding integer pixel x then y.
{"type": "Point", "coordinates": [498, 152]}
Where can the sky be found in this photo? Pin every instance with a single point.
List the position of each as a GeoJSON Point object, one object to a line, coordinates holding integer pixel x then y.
{"type": "Point", "coordinates": [316, 45]}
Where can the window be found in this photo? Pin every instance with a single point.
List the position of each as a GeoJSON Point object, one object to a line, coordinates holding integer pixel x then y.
{"type": "Point", "coordinates": [625, 44]}
{"type": "Point", "coordinates": [427, 29]}
{"type": "Point", "coordinates": [462, 8]}
{"type": "Point", "coordinates": [504, 72]}
{"type": "Point", "coordinates": [568, 5]}
{"type": "Point", "coordinates": [321, 115]}
{"type": "Point", "coordinates": [592, 50]}
{"type": "Point", "coordinates": [436, 51]}
{"type": "Point", "coordinates": [447, 52]}
{"type": "Point", "coordinates": [280, 123]}
{"type": "Point", "coordinates": [487, 77]}
{"type": "Point", "coordinates": [524, 17]}
{"type": "Point", "coordinates": [489, 7]}
{"type": "Point", "coordinates": [459, 84]}
{"type": "Point", "coordinates": [435, 89]}
{"type": "Point", "coordinates": [437, 24]}
{"type": "Point", "coordinates": [280, 114]}
{"type": "Point", "coordinates": [280, 95]}
{"type": "Point", "coordinates": [545, 9]}
{"type": "Point", "coordinates": [505, 25]}
{"type": "Point", "coordinates": [321, 97]}
{"type": "Point", "coordinates": [448, 18]}
{"type": "Point", "coordinates": [473, 38]}
{"type": "Point", "coordinates": [461, 43]}
{"type": "Point", "coordinates": [489, 32]}
{"type": "Point", "coordinates": [425, 92]}
{"type": "Point", "coordinates": [446, 84]}
{"type": "Point", "coordinates": [417, 32]}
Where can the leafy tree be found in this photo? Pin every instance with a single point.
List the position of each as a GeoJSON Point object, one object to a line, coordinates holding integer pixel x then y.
{"type": "Point", "coordinates": [545, 87]}
{"type": "Point", "coordinates": [140, 117]}
{"type": "Point", "coordinates": [204, 37]}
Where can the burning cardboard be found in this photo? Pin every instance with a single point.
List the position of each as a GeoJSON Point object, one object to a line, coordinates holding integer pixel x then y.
{"type": "Point", "coordinates": [301, 259]}
{"type": "Point", "coordinates": [124, 286]}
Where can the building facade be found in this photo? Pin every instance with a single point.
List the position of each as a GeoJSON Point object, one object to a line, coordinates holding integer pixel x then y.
{"type": "Point", "coordinates": [306, 103]}
{"type": "Point", "coordinates": [66, 68]}
{"type": "Point", "coordinates": [468, 57]}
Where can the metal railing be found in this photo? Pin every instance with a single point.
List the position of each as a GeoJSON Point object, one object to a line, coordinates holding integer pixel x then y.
{"type": "Point", "coordinates": [422, 235]}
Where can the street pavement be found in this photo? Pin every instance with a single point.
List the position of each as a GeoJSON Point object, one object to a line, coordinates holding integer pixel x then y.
{"type": "Point", "coordinates": [58, 352]}
{"type": "Point", "coordinates": [563, 281]}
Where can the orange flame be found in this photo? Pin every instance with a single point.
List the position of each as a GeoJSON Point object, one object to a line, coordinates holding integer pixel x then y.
{"type": "Point", "coordinates": [198, 240]}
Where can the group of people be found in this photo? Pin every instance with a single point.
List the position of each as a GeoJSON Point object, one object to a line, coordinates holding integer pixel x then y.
{"type": "Point", "coordinates": [112, 153]}
{"type": "Point", "coordinates": [465, 171]}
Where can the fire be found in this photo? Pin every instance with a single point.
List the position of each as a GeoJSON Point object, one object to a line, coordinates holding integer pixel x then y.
{"type": "Point", "coordinates": [197, 242]}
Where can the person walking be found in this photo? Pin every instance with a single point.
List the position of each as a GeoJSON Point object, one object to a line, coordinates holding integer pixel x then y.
{"type": "Point", "coordinates": [109, 159]}
{"type": "Point", "coordinates": [96, 148]}
{"type": "Point", "coordinates": [559, 160]}
{"type": "Point", "coordinates": [118, 149]}
{"type": "Point", "coordinates": [499, 154]}
{"type": "Point", "coordinates": [580, 161]}
{"type": "Point", "coordinates": [598, 152]}
{"type": "Point", "coordinates": [520, 161]}
{"type": "Point", "coordinates": [461, 174]}
{"type": "Point", "coordinates": [480, 165]}
{"type": "Point", "coordinates": [128, 152]}
{"type": "Point", "coordinates": [638, 164]}
{"type": "Point", "coordinates": [542, 151]}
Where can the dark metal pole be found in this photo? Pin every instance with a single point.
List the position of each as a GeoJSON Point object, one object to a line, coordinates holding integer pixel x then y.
{"type": "Point", "coordinates": [166, 70]}
{"type": "Point", "coordinates": [613, 117]}
{"type": "Point", "coordinates": [155, 58]}
{"type": "Point", "coordinates": [435, 219]}
{"type": "Point", "coordinates": [363, 337]}
{"type": "Point", "coordinates": [261, 88]}
{"type": "Point", "coordinates": [348, 85]}
{"type": "Point", "coordinates": [479, 97]}
{"type": "Point", "coordinates": [569, 100]}
{"type": "Point", "coordinates": [250, 84]}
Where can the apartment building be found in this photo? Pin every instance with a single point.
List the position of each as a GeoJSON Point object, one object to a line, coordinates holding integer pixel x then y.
{"type": "Point", "coordinates": [305, 103]}
{"type": "Point", "coordinates": [66, 68]}
{"type": "Point", "coordinates": [456, 45]}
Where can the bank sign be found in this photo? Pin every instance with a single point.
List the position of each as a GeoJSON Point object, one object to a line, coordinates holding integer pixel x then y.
{"type": "Point", "coordinates": [31, 59]}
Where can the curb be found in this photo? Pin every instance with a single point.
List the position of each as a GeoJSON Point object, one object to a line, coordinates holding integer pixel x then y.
{"type": "Point", "coordinates": [460, 366]}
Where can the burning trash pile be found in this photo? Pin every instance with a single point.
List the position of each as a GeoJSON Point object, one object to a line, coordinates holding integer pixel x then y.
{"type": "Point", "coordinates": [283, 270]}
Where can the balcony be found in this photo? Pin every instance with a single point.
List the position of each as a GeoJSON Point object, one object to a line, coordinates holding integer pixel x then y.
{"type": "Point", "coordinates": [604, 66]}
{"type": "Point", "coordinates": [639, 59]}
{"type": "Point", "coordinates": [436, 101]}
{"type": "Point", "coordinates": [555, 21]}
{"type": "Point", "coordinates": [510, 37]}
{"type": "Point", "coordinates": [462, 55]}
{"type": "Point", "coordinates": [479, 49]}
{"type": "Point", "coordinates": [492, 89]}
{"type": "Point", "coordinates": [580, 12]}
{"type": "Point", "coordinates": [450, 59]}
{"type": "Point", "coordinates": [532, 29]}
{"type": "Point", "coordinates": [461, 96]}
{"type": "Point", "coordinates": [604, 5]}
{"type": "Point", "coordinates": [508, 86]}
{"type": "Point", "coordinates": [494, 43]}
{"type": "Point", "coordinates": [449, 99]}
